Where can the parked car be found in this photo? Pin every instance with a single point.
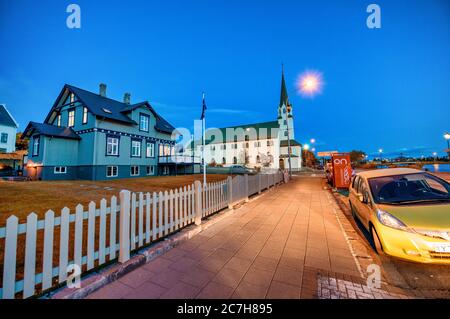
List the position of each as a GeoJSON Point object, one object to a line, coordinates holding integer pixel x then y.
{"type": "Point", "coordinates": [240, 169]}
{"type": "Point", "coordinates": [406, 212]}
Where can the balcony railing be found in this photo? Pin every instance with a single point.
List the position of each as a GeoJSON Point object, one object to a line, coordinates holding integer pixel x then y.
{"type": "Point", "coordinates": [179, 159]}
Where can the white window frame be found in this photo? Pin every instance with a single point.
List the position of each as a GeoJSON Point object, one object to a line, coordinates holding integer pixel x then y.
{"type": "Point", "coordinates": [151, 171]}
{"type": "Point", "coordinates": [85, 115]}
{"type": "Point", "coordinates": [112, 167]}
{"type": "Point", "coordinates": [144, 122]}
{"type": "Point", "coordinates": [36, 142]}
{"type": "Point", "coordinates": [71, 119]}
{"type": "Point", "coordinates": [114, 141]}
{"type": "Point", "coordinates": [60, 170]}
{"type": "Point", "coordinates": [135, 173]}
{"type": "Point", "coordinates": [58, 120]}
{"type": "Point", "coordinates": [134, 148]}
{"type": "Point", "coordinates": [150, 151]}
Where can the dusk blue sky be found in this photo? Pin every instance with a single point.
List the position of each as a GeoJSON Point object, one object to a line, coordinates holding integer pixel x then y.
{"type": "Point", "coordinates": [387, 87]}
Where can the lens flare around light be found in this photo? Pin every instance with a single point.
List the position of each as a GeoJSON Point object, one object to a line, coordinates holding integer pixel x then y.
{"type": "Point", "coordinates": [309, 83]}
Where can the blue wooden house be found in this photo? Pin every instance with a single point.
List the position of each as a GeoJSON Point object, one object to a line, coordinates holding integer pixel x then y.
{"type": "Point", "coordinates": [90, 136]}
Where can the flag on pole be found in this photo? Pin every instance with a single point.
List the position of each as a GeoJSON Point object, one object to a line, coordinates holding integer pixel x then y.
{"type": "Point", "coordinates": [203, 108]}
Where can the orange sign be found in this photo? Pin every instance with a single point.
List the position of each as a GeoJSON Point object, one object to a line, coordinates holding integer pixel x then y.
{"type": "Point", "coordinates": [342, 170]}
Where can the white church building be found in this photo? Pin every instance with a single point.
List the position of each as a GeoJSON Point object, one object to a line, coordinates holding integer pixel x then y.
{"type": "Point", "coordinates": [257, 145]}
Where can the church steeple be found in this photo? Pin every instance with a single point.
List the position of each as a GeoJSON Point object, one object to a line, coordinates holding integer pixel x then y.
{"type": "Point", "coordinates": [284, 99]}
{"type": "Point", "coordinates": [285, 118]}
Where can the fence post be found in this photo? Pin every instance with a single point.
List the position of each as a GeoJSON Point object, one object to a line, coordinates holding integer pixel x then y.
{"type": "Point", "coordinates": [230, 191]}
{"type": "Point", "coordinates": [259, 183]}
{"type": "Point", "coordinates": [246, 187]}
{"type": "Point", "coordinates": [124, 226]}
{"type": "Point", "coordinates": [198, 202]}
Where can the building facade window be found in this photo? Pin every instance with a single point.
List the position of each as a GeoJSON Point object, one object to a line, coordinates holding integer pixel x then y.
{"type": "Point", "coordinates": [4, 138]}
{"type": "Point", "coordinates": [85, 115]}
{"type": "Point", "coordinates": [71, 119]}
{"type": "Point", "coordinates": [235, 160]}
{"type": "Point", "coordinates": [111, 171]}
{"type": "Point", "coordinates": [72, 98]}
{"type": "Point", "coordinates": [58, 120]}
{"type": "Point", "coordinates": [112, 146]}
{"type": "Point", "coordinates": [134, 170]}
{"type": "Point", "coordinates": [60, 170]}
{"type": "Point", "coordinates": [150, 170]}
{"type": "Point", "coordinates": [136, 148]}
{"type": "Point", "coordinates": [224, 161]}
{"type": "Point", "coordinates": [144, 120]}
{"type": "Point", "coordinates": [258, 159]}
{"type": "Point", "coordinates": [36, 142]}
{"type": "Point", "coordinates": [150, 149]}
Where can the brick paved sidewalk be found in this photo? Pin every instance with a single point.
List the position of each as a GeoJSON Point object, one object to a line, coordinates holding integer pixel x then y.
{"type": "Point", "coordinates": [278, 245]}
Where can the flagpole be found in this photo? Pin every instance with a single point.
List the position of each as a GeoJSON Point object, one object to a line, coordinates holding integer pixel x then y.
{"type": "Point", "coordinates": [203, 149]}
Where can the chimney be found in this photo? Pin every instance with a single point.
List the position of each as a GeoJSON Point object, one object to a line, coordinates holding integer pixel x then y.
{"type": "Point", "coordinates": [127, 98]}
{"type": "Point", "coordinates": [102, 89]}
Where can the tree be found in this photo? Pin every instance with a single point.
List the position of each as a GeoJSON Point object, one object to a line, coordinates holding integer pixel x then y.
{"type": "Point", "coordinates": [21, 143]}
{"type": "Point", "coordinates": [357, 156]}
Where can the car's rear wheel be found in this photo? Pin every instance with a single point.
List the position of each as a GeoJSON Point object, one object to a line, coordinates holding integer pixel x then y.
{"type": "Point", "coordinates": [376, 241]}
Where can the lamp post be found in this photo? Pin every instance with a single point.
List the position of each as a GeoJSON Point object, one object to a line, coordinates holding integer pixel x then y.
{"type": "Point", "coordinates": [447, 137]}
{"type": "Point", "coordinates": [288, 111]}
{"type": "Point", "coordinates": [435, 155]}
{"type": "Point", "coordinates": [381, 155]}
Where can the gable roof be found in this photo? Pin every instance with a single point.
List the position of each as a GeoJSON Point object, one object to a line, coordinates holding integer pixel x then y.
{"type": "Point", "coordinates": [105, 107]}
{"type": "Point", "coordinates": [6, 118]}
{"type": "Point", "coordinates": [100, 105]}
{"type": "Point", "coordinates": [161, 124]}
{"type": "Point", "coordinates": [50, 130]}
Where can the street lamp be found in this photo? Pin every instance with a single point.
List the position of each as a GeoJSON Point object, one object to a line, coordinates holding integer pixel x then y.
{"type": "Point", "coordinates": [434, 155]}
{"type": "Point", "coordinates": [288, 111]}
{"type": "Point", "coordinates": [447, 137]}
{"type": "Point", "coordinates": [381, 154]}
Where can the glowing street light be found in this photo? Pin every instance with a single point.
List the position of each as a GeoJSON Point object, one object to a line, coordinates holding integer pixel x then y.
{"type": "Point", "coordinates": [381, 154]}
{"type": "Point", "coordinates": [306, 147]}
{"type": "Point", "coordinates": [312, 141]}
{"type": "Point", "coordinates": [309, 83]}
{"type": "Point", "coordinates": [447, 137]}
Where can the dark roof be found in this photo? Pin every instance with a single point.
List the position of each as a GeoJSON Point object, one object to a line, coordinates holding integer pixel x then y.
{"type": "Point", "coordinates": [6, 118]}
{"type": "Point", "coordinates": [100, 105]}
{"type": "Point", "coordinates": [161, 124]}
{"type": "Point", "coordinates": [105, 107]}
{"type": "Point", "coordinates": [293, 143]}
{"type": "Point", "coordinates": [50, 130]}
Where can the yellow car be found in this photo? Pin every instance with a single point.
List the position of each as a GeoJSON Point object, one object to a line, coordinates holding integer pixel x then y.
{"type": "Point", "coordinates": [406, 211]}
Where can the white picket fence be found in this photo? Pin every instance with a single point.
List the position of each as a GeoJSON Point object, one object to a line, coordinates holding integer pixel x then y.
{"type": "Point", "coordinates": [136, 220]}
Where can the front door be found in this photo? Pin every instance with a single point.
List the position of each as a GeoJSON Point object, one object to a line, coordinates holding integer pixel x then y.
{"type": "Point", "coordinates": [281, 163]}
